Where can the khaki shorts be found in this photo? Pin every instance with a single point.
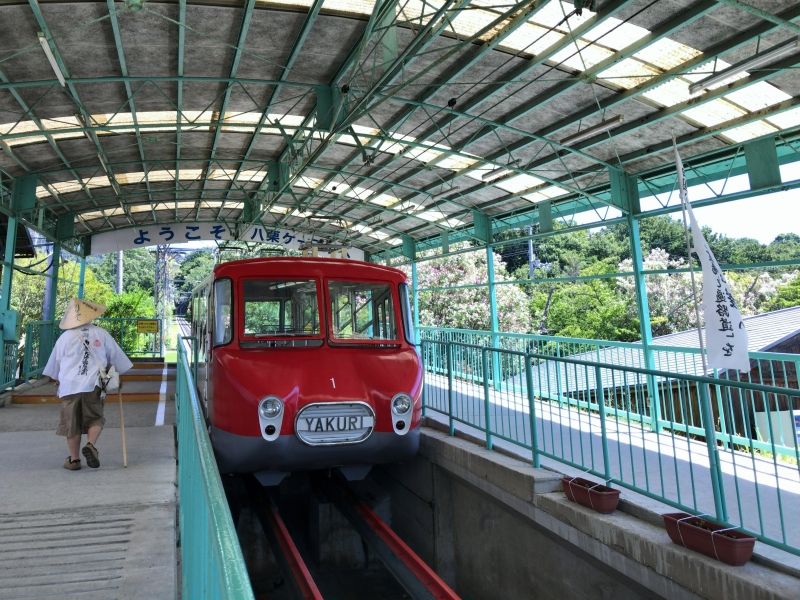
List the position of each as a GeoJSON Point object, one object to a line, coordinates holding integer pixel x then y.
{"type": "Point", "coordinates": [79, 412]}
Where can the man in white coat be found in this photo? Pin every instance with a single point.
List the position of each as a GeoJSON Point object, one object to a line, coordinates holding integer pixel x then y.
{"type": "Point", "coordinates": [75, 364]}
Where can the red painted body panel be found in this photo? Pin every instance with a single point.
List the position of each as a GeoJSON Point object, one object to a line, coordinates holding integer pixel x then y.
{"type": "Point", "coordinates": [301, 376]}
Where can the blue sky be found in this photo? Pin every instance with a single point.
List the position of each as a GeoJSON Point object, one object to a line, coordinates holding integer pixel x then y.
{"type": "Point", "coordinates": [761, 218]}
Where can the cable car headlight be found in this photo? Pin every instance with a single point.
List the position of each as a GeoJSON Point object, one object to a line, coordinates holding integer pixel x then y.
{"type": "Point", "coordinates": [401, 404]}
{"type": "Point", "coordinates": [270, 407]}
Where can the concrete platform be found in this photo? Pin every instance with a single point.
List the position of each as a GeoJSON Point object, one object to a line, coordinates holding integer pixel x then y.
{"type": "Point", "coordinates": [93, 534]}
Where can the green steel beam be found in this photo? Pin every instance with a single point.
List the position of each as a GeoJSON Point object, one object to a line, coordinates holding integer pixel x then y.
{"type": "Point", "coordinates": [415, 287]}
{"type": "Point", "coordinates": [8, 265]}
{"type": "Point", "coordinates": [625, 193]}
{"type": "Point", "coordinates": [299, 42]}
{"type": "Point", "coordinates": [545, 216]}
{"type": "Point", "coordinates": [763, 14]}
{"type": "Point", "coordinates": [235, 60]}
{"type": "Point", "coordinates": [762, 164]}
{"type": "Point", "coordinates": [482, 227]}
{"type": "Point", "coordinates": [721, 48]}
{"type": "Point", "coordinates": [52, 284]}
{"type": "Point", "coordinates": [186, 79]}
{"type": "Point", "coordinates": [179, 106]}
{"type": "Point", "coordinates": [357, 98]}
{"type": "Point", "coordinates": [409, 248]}
{"type": "Point", "coordinates": [517, 19]}
{"type": "Point", "coordinates": [112, 12]}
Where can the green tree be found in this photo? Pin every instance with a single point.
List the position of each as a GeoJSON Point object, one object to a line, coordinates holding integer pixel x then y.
{"type": "Point", "coordinates": [129, 305]}
{"type": "Point", "coordinates": [138, 270]}
{"type": "Point", "coordinates": [735, 251]}
{"type": "Point", "coordinates": [28, 288]}
{"type": "Point", "coordinates": [654, 232]}
{"type": "Point", "coordinates": [468, 307]}
{"type": "Point", "coordinates": [587, 309]}
{"type": "Point", "coordinates": [787, 295]}
{"type": "Point", "coordinates": [786, 246]}
{"type": "Point", "coordinates": [192, 271]}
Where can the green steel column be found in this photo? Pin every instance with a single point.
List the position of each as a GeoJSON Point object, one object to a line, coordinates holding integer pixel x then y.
{"type": "Point", "coordinates": [643, 306]}
{"type": "Point", "coordinates": [410, 252]}
{"type": "Point", "coordinates": [493, 320]}
{"type": "Point", "coordinates": [82, 278]}
{"type": "Point", "coordinates": [49, 312]}
{"type": "Point", "coordinates": [625, 195]}
{"type": "Point", "coordinates": [482, 227]}
{"type": "Point", "coordinates": [415, 286]}
{"type": "Point", "coordinates": [23, 199]}
{"type": "Point", "coordinates": [8, 264]}
{"type": "Point", "coordinates": [51, 289]}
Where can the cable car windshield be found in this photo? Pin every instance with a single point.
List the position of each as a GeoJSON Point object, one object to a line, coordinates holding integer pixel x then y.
{"type": "Point", "coordinates": [280, 308]}
{"type": "Point", "coordinates": [362, 311]}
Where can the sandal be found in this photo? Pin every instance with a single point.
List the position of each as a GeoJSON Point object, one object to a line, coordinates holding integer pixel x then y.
{"type": "Point", "coordinates": [91, 455]}
{"type": "Point", "coordinates": [72, 465]}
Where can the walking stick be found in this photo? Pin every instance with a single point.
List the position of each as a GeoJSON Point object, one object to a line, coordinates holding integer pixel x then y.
{"type": "Point", "coordinates": [122, 429]}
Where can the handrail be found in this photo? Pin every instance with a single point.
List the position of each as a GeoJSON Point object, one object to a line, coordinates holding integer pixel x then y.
{"type": "Point", "coordinates": [212, 564]}
{"type": "Point", "coordinates": [597, 417]}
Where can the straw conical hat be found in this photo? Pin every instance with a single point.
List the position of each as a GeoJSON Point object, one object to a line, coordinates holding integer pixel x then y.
{"type": "Point", "coordinates": [80, 312]}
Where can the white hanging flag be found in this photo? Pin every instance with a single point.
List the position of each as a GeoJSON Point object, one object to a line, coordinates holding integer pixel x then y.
{"type": "Point", "coordinates": [726, 336]}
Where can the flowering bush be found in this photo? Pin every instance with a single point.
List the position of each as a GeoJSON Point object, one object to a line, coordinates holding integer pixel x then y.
{"type": "Point", "coordinates": [467, 307]}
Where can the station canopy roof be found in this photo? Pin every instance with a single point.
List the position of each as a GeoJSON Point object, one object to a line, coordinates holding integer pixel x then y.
{"type": "Point", "coordinates": [371, 123]}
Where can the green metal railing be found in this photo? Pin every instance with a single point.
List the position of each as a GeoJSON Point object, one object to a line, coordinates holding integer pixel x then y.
{"type": "Point", "coordinates": [9, 375]}
{"type": "Point", "coordinates": [39, 339]}
{"type": "Point", "coordinates": [132, 337]}
{"type": "Point", "coordinates": [40, 336]}
{"type": "Point", "coordinates": [595, 416]}
{"type": "Point", "coordinates": [654, 398]}
{"type": "Point", "coordinates": [212, 564]}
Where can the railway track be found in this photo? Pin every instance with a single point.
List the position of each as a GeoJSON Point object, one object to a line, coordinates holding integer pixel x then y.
{"type": "Point", "coordinates": [281, 519]}
{"type": "Point", "coordinates": [403, 574]}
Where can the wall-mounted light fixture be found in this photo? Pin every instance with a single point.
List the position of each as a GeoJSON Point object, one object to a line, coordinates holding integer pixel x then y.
{"type": "Point", "coordinates": [48, 52]}
{"type": "Point", "coordinates": [585, 134]}
{"type": "Point", "coordinates": [748, 64]}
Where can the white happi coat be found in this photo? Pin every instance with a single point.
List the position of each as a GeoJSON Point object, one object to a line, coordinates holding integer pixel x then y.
{"type": "Point", "coordinates": [76, 367]}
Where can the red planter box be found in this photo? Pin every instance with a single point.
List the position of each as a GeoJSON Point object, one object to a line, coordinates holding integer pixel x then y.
{"type": "Point", "coordinates": [731, 546]}
{"type": "Point", "coordinates": [599, 497]}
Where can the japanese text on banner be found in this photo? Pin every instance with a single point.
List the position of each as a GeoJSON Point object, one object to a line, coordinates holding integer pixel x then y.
{"type": "Point", "coordinates": [726, 336]}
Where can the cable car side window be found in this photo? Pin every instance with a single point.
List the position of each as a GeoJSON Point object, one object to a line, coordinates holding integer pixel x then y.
{"type": "Point", "coordinates": [280, 308]}
{"type": "Point", "coordinates": [408, 321]}
{"type": "Point", "coordinates": [223, 312]}
{"type": "Point", "coordinates": [362, 311]}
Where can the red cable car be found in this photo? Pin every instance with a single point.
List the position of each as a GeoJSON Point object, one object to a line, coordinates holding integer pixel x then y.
{"type": "Point", "coordinates": [307, 363]}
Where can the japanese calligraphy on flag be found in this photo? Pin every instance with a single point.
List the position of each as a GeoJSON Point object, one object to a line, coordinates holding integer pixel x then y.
{"type": "Point", "coordinates": [726, 336]}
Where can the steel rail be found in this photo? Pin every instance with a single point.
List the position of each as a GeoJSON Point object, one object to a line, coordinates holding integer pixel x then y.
{"type": "Point", "coordinates": [413, 573]}
{"type": "Point", "coordinates": [285, 550]}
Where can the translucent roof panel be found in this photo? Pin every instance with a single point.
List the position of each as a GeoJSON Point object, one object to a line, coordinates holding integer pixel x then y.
{"type": "Point", "coordinates": [403, 159]}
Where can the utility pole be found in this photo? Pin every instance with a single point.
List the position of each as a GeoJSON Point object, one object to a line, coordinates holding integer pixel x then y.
{"type": "Point", "coordinates": [119, 272]}
{"type": "Point", "coordinates": [160, 291]}
{"type": "Point", "coordinates": [530, 252]}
